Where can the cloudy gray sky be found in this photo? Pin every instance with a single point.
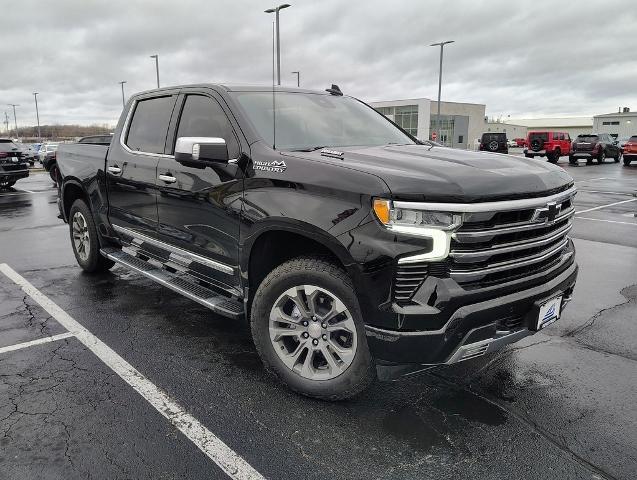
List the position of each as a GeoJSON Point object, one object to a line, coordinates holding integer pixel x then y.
{"type": "Point", "coordinates": [520, 58]}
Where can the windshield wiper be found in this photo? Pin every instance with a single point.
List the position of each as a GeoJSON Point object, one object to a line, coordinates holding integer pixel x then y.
{"type": "Point", "coordinates": [310, 149]}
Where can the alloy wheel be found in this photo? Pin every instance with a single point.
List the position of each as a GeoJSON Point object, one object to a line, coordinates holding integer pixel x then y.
{"type": "Point", "coordinates": [81, 240]}
{"type": "Point", "coordinates": [313, 332]}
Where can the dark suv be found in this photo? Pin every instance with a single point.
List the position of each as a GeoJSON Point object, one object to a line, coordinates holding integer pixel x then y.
{"type": "Point", "coordinates": [12, 165]}
{"type": "Point", "coordinates": [596, 146]}
{"type": "Point", "coordinates": [494, 142]}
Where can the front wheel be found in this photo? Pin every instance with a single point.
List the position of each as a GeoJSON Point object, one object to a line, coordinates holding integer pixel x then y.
{"type": "Point", "coordinates": [84, 239]}
{"type": "Point", "coordinates": [553, 157]}
{"type": "Point", "coordinates": [307, 327]}
{"type": "Point", "coordinates": [618, 157]}
{"type": "Point", "coordinates": [7, 183]}
{"type": "Point", "coordinates": [626, 161]}
{"type": "Point", "coordinates": [572, 161]}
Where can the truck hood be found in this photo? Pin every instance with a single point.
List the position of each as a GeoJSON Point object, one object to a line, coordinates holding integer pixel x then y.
{"type": "Point", "coordinates": [423, 173]}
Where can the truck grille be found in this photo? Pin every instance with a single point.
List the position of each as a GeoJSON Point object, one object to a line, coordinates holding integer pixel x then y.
{"type": "Point", "coordinates": [496, 247]}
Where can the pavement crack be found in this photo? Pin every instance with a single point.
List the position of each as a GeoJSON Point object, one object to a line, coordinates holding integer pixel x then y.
{"type": "Point", "coordinates": [556, 439]}
{"type": "Point", "coordinates": [591, 321]}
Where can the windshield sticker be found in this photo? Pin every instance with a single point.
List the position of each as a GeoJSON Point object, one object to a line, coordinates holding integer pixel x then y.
{"type": "Point", "coordinates": [274, 166]}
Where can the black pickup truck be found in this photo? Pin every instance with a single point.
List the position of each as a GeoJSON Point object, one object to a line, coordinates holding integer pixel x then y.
{"type": "Point", "coordinates": [353, 250]}
{"type": "Point", "coordinates": [13, 166]}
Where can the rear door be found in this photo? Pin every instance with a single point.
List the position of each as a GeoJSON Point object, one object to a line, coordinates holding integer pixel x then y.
{"type": "Point", "coordinates": [131, 167]}
{"type": "Point", "coordinates": [199, 207]}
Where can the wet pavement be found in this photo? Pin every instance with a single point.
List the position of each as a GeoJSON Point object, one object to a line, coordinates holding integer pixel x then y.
{"type": "Point", "coordinates": [559, 404]}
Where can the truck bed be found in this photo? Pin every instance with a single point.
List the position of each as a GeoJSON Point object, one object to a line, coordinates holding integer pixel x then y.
{"type": "Point", "coordinates": [81, 160]}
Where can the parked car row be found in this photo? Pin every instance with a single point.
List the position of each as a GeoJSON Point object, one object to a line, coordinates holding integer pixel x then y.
{"type": "Point", "coordinates": [555, 144]}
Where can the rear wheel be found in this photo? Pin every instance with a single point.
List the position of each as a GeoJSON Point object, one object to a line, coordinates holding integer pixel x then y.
{"type": "Point", "coordinates": [572, 161]}
{"type": "Point", "coordinates": [601, 157]}
{"type": "Point", "coordinates": [307, 327]}
{"type": "Point", "coordinates": [626, 161]}
{"type": "Point", "coordinates": [84, 239]}
{"type": "Point", "coordinates": [618, 157]}
{"type": "Point", "coordinates": [54, 173]}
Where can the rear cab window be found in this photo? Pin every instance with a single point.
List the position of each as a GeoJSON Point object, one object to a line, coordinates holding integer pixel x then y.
{"type": "Point", "coordinates": [149, 124]}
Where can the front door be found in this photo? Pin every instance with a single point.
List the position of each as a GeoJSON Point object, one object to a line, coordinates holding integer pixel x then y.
{"type": "Point", "coordinates": [131, 168]}
{"type": "Point", "coordinates": [199, 208]}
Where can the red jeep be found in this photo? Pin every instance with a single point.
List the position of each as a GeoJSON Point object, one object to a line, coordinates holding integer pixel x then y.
{"type": "Point", "coordinates": [551, 145]}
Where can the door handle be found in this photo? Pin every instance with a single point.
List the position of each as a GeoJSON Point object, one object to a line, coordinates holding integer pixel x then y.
{"type": "Point", "coordinates": [115, 169]}
{"type": "Point", "coordinates": [167, 178]}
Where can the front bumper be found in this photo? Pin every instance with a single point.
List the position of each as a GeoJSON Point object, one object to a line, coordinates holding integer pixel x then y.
{"type": "Point", "coordinates": [472, 330]}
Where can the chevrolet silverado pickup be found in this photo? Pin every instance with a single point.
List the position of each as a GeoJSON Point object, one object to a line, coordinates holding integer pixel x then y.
{"type": "Point", "coordinates": [353, 250]}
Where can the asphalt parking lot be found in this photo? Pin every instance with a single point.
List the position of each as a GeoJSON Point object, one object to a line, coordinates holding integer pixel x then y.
{"type": "Point", "coordinates": [148, 384]}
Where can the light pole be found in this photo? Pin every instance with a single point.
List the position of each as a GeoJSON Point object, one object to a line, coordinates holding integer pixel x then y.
{"type": "Point", "coordinates": [298, 78]}
{"type": "Point", "coordinates": [14, 117]}
{"type": "Point", "coordinates": [275, 10]}
{"type": "Point", "coordinates": [442, 46]}
{"type": "Point", "coordinates": [37, 115]}
{"type": "Point", "coordinates": [122, 84]}
{"type": "Point", "coordinates": [156, 57]}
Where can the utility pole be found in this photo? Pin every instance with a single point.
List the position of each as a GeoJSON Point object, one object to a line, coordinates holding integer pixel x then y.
{"type": "Point", "coordinates": [156, 57]}
{"type": "Point", "coordinates": [37, 114]}
{"type": "Point", "coordinates": [122, 84]}
{"type": "Point", "coordinates": [6, 123]}
{"type": "Point", "coordinates": [442, 45]}
{"type": "Point", "coordinates": [298, 78]}
{"type": "Point", "coordinates": [15, 119]}
{"type": "Point", "coordinates": [275, 10]}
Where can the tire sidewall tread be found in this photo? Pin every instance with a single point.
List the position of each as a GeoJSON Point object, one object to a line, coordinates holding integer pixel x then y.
{"type": "Point", "coordinates": [323, 273]}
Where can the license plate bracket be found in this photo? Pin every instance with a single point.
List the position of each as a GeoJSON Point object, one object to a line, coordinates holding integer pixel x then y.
{"type": "Point", "coordinates": [546, 312]}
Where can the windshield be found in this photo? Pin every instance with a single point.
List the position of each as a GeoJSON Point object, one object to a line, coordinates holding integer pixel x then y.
{"type": "Point", "coordinates": [309, 121]}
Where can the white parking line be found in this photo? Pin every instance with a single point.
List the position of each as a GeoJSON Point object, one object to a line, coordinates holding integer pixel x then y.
{"type": "Point", "coordinates": [607, 221]}
{"type": "Point", "coordinates": [606, 206]}
{"type": "Point", "coordinates": [226, 458]}
{"type": "Point", "coordinates": [626, 194]}
{"type": "Point", "coordinates": [39, 341]}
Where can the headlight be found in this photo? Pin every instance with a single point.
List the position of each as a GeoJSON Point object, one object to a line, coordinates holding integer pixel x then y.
{"type": "Point", "coordinates": [438, 226]}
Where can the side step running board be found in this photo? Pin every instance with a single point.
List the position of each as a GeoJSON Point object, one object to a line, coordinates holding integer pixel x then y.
{"type": "Point", "coordinates": [209, 298]}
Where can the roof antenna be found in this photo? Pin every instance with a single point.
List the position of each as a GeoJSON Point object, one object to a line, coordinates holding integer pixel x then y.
{"type": "Point", "coordinates": [273, 94]}
{"type": "Point", "coordinates": [334, 90]}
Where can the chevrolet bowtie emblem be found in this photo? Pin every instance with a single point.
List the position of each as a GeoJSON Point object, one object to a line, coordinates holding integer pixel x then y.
{"type": "Point", "coordinates": [547, 214]}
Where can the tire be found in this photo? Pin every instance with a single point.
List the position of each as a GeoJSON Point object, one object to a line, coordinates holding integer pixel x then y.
{"type": "Point", "coordinates": [7, 183]}
{"type": "Point", "coordinates": [528, 156]}
{"type": "Point", "coordinates": [88, 255]}
{"type": "Point", "coordinates": [572, 161]}
{"type": "Point", "coordinates": [618, 157]}
{"type": "Point", "coordinates": [601, 157]}
{"type": "Point", "coordinates": [553, 157]}
{"type": "Point", "coordinates": [626, 161]}
{"type": "Point", "coordinates": [318, 279]}
{"type": "Point", "coordinates": [54, 173]}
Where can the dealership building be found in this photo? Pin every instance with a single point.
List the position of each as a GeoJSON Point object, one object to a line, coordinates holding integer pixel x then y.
{"type": "Point", "coordinates": [460, 123]}
{"type": "Point", "coordinates": [621, 124]}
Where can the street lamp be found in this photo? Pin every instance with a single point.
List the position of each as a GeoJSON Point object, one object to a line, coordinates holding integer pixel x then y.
{"type": "Point", "coordinates": [37, 115]}
{"type": "Point", "coordinates": [14, 117]}
{"type": "Point", "coordinates": [275, 10]}
{"type": "Point", "coordinates": [442, 45]}
{"type": "Point", "coordinates": [122, 84]}
{"type": "Point", "coordinates": [298, 78]}
{"type": "Point", "coordinates": [156, 57]}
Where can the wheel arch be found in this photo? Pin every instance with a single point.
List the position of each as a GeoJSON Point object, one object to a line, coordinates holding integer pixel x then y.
{"type": "Point", "coordinates": [280, 241]}
{"type": "Point", "coordinates": [72, 190]}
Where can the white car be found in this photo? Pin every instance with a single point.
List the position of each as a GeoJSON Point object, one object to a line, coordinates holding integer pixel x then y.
{"type": "Point", "coordinates": [46, 148]}
{"type": "Point", "coordinates": [512, 143]}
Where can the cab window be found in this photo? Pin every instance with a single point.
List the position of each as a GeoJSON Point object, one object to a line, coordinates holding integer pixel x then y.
{"type": "Point", "coordinates": [203, 117]}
